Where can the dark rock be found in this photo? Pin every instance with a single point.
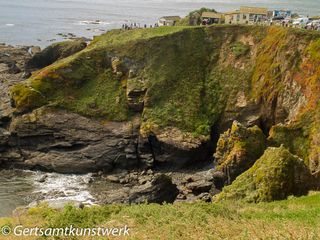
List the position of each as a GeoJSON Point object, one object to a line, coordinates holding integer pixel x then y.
{"type": "Point", "coordinates": [205, 197]}
{"type": "Point", "coordinates": [174, 148]}
{"type": "Point", "coordinates": [13, 68]}
{"type": "Point", "coordinates": [55, 52]}
{"type": "Point", "coordinates": [26, 75]}
{"type": "Point", "coordinates": [43, 179]}
{"type": "Point", "coordinates": [54, 140]}
{"type": "Point", "coordinates": [199, 187]}
{"type": "Point", "coordinates": [219, 179]}
{"type": "Point", "coordinates": [160, 190]}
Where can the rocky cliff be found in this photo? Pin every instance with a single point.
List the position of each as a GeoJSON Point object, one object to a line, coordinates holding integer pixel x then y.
{"type": "Point", "coordinates": [153, 97]}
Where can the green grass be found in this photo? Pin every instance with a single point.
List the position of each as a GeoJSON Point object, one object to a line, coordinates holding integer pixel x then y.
{"type": "Point", "coordinates": [239, 49]}
{"type": "Point", "coordinates": [296, 218]}
{"type": "Point", "coordinates": [121, 37]}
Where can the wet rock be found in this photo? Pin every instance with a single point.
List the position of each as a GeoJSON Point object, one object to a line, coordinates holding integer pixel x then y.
{"type": "Point", "coordinates": [113, 178]}
{"type": "Point", "coordinates": [43, 179]}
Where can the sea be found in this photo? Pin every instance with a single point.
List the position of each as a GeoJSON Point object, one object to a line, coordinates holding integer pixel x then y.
{"type": "Point", "coordinates": [41, 22]}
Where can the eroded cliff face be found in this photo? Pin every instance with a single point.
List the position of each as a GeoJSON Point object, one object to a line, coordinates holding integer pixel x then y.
{"type": "Point", "coordinates": [184, 85]}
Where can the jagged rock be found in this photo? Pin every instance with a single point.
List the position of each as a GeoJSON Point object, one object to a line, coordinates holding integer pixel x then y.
{"type": "Point", "coordinates": [113, 178]}
{"type": "Point", "coordinates": [34, 50]}
{"type": "Point", "coordinates": [42, 179]}
{"type": "Point", "coordinates": [219, 178]}
{"type": "Point", "coordinates": [160, 190]}
{"type": "Point", "coordinates": [135, 93]}
{"type": "Point", "coordinates": [56, 140]}
{"type": "Point", "coordinates": [199, 187]}
{"type": "Point", "coordinates": [55, 52]}
{"type": "Point", "coordinates": [275, 176]}
{"type": "Point", "coordinates": [116, 65]}
{"type": "Point", "coordinates": [4, 137]}
{"type": "Point", "coordinates": [26, 75]}
{"type": "Point", "coordinates": [175, 148]}
{"type": "Point", "coordinates": [238, 149]}
{"type": "Point", "coordinates": [205, 197]}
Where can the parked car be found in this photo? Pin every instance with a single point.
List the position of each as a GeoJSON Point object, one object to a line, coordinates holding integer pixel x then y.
{"type": "Point", "coordinates": [300, 22]}
{"type": "Point", "coordinates": [314, 23]}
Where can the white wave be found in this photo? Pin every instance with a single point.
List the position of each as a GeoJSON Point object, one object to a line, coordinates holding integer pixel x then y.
{"type": "Point", "coordinates": [93, 22]}
{"type": "Point", "coordinates": [64, 187]}
{"type": "Point", "coordinates": [9, 24]}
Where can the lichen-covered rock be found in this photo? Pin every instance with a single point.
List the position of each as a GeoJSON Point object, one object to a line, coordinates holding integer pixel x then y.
{"type": "Point", "coordinates": [238, 149]}
{"type": "Point", "coordinates": [275, 176]}
{"type": "Point", "coordinates": [55, 52]}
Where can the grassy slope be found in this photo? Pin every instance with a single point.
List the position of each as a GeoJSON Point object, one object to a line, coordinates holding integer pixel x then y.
{"type": "Point", "coordinates": [186, 87]}
{"type": "Point", "coordinates": [296, 218]}
{"type": "Point", "coordinates": [193, 76]}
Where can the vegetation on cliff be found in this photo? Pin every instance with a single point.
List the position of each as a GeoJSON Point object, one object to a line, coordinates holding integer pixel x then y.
{"type": "Point", "coordinates": [192, 79]}
{"type": "Point", "coordinates": [275, 176]}
{"type": "Point", "coordinates": [238, 149]}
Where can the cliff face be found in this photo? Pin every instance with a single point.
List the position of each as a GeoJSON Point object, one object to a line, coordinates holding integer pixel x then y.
{"type": "Point", "coordinates": [184, 85]}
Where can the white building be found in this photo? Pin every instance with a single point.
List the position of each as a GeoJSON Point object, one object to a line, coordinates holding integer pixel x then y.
{"type": "Point", "coordinates": [168, 20]}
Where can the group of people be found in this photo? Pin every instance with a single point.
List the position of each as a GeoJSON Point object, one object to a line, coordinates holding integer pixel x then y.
{"type": "Point", "coordinates": [138, 25]}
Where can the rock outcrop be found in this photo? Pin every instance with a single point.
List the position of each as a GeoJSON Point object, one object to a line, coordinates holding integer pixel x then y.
{"type": "Point", "coordinates": [12, 69]}
{"type": "Point", "coordinates": [55, 140]}
{"type": "Point", "coordinates": [275, 176]}
{"type": "Point", "coordinates": [238, 149]}
{"type": "Point", "coordinates": [184, 99]}
{"type": "Point", "coordinates": [160, 190]}
{"type": "Point", "coordinates": [54, 52]}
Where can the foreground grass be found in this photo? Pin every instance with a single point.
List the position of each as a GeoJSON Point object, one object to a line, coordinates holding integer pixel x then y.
{"type": "Point", "coordinates": [296, 218]}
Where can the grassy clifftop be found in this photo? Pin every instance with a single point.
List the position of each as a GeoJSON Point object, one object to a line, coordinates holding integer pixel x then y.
{"type": "Point", "coordinates": [190, 78]}
{"type": "Point", "coordinates": [296, 218]}
{"type": "Point", "coordinates": [177, 65]}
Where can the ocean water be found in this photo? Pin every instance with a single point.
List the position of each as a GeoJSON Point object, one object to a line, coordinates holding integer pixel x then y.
{"type": "Point", "coordinates": [37, 22]}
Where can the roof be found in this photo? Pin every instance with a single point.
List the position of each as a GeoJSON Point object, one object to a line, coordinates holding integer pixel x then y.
{"type": "Point", "coordinates": [212, 15]}
{"type": "Point", "coordinates": [171, 18]}
{"type": "Point", "coordinates": [233, 12]}
{"type": "Point", "coordinates": [254, 10]}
